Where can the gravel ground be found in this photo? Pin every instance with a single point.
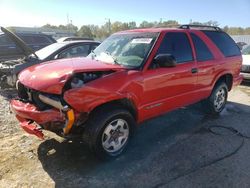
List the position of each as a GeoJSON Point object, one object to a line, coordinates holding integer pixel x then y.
{"type": "Point", "coordinates": [174, 150]}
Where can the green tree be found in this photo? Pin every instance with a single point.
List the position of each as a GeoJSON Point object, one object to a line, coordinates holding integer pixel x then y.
{"type": "Point", "coordinates": [145, 24]}
{"type": "Point", "coordinates": [132, 25]}
{"type": "Point", "coordinates": [168, 23]}
{"type": "Point", "coordinates": [119, 26]}
{"type": "Point", "coordinates": [48, 26]}
{"type": "Point", "coordinates": [85, 31]}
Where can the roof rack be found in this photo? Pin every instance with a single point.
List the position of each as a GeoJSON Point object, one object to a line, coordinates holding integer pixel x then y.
{"type": "Point", "coordinates": [188, 26]}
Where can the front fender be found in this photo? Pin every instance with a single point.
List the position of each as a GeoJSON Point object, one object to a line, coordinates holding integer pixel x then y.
{"type": "Point", "coordinates": [87, 98]}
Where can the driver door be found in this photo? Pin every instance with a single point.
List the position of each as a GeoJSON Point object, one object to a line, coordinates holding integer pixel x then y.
{"type": "Point", "coordinates": [168, 88]}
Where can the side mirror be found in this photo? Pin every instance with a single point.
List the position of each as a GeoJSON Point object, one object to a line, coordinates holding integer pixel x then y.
{"type": "Point", "coordinates": [165, 60]}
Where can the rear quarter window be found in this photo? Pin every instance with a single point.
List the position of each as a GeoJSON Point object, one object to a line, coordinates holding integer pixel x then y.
{"type": "Point", "coordinates": [224, 42]}
{"type": "Point", "coordinates": [202, 51]}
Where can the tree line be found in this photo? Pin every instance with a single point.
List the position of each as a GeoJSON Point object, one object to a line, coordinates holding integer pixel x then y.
{"type": "Point", "coordinates": [103, 31]}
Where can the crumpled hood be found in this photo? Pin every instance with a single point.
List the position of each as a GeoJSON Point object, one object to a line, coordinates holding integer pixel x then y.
{"type": "Point", "coordinates": [51, 76]}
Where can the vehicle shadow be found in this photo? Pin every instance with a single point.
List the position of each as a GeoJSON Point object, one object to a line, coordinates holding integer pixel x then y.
{"type": "Point", "coordinates": [64, 160]}
{"type": "Point", "coordinates": [71, 164]}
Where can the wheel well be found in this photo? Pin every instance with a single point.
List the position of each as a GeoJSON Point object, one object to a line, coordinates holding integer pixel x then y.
{"type": "Point", "coordinates": [120, 103]}
{"type": "Point", "coordinates": [228, 79]}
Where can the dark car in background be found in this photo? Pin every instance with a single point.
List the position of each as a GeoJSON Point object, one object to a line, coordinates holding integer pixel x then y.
{"type": "Point", "coordinates": [10, 69]}
{"type": "Point", "coordinates": [9, 50]}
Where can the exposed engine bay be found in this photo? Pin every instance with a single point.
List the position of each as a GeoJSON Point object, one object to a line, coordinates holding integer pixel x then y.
{"type": "Point", "coordinates": [7, 78]}
{"type": "Point", "coordinates": [10, 69]}
{"type": "Point", "coordinates": [45, 101]}
{"type": "Point", "coordinates": [79, 79]}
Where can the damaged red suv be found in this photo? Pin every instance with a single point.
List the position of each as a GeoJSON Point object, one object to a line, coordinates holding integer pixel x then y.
{"type": "Point", "coordinates": [132, 76]}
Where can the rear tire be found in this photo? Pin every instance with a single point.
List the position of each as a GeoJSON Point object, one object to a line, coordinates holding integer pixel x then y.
{"type": "Point", "coordinates": [216, 102]}
{"type": "Point", "coordinates": [108, 132]}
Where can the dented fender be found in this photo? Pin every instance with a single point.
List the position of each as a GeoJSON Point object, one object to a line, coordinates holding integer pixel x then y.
{"type": "Point", "coordinates": [101, 91]}
{"type": "Point", "coordinates": [87, 98]}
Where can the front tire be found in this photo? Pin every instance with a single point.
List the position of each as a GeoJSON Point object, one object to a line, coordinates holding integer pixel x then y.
{"type": "Point", "coordinates": [218, 98]}
{"type": "Point", "coordinates": [108, 132]}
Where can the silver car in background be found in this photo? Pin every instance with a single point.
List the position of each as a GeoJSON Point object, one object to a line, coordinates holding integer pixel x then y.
{"type": "Point", "coordinates": [245, 69]}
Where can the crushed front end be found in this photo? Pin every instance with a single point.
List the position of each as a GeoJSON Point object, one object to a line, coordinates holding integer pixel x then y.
{"type": "Point", "coordinates": [37, 111]}
{"type": "Point", "coordinates": [43, 103]}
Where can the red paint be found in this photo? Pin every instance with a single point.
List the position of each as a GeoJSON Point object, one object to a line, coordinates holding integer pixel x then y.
{"type": "Point", "coordinates": [153, 92]}
{"type": "Point", "coordinates": [50, 77]}
{"type": "Point", "coordinates": [29, 111]}
{"type": "Point", "coordinates": [30, 128]}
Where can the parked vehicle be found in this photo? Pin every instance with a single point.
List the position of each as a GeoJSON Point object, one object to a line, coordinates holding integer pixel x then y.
{"type": "Point", "coordinates": [9, 50]}
{"type": "Point", "coordinates": [131, 77]}
{"type": "Point", "coordinates": [10, 69]}
{"type": "Point", "coordinates": [245, 69]}
{"type": "Point", "coordinates": [63, 39]}
{"type": "Point", "coordinates": [241, 45]}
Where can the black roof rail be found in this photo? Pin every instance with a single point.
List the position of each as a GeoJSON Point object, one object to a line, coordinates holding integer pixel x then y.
{"type": "Point", "coordinates": [188, 26]}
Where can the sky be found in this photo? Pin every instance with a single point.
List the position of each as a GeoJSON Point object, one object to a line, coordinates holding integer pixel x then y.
{"type": "Point", "coordinates": [35, 13]}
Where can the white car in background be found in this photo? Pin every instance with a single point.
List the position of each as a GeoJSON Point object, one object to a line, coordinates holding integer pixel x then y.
{"type": "Point", "coordinates": [245, 69]}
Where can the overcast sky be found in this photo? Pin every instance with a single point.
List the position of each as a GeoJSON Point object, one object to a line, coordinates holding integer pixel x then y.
{"type": "Point", "coordinates": [81, 12]}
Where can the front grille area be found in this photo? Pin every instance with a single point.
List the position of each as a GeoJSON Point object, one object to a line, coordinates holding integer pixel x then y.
{"type": "Point", "coordinates": [22, 91]}
{"type": "Point", "coordinates": [245, 68]}
{"type": "Point", "coordinates": [29, 95]}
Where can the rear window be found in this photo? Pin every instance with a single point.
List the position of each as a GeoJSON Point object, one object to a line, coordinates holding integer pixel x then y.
{"type": "Point", "coordinates": [224, 42]}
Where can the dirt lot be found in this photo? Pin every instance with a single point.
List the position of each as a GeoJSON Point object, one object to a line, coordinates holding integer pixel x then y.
{"type": "Point", "coordinates": [174, 150]}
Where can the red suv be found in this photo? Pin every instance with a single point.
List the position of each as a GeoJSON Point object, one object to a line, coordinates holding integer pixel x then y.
{"type": "Point", "coordinates": [132, 76]}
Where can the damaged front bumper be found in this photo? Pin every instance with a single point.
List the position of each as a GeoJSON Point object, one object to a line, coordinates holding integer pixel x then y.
{"type": "Point", "coordinates": [33, 120]}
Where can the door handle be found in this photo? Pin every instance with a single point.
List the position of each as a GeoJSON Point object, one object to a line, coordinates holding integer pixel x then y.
{"type": "Point", "coordinates": [194, 70]}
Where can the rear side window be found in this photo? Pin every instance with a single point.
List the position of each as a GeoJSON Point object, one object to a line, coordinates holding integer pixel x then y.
{"type": "Point", "coordinates": [224, 42]}
{"type": "Point", "coordinates": [176, 44]}
{"type": "Point", "coordinates": [202, 51]}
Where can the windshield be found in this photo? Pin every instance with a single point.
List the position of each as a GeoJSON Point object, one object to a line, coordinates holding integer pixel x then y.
{"type": "Point", "coordinates": [246, 51]}
{"type": "Point", "coordinates": [48, 50]}
{"type": "Point", "coordinates": [128, 50]}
